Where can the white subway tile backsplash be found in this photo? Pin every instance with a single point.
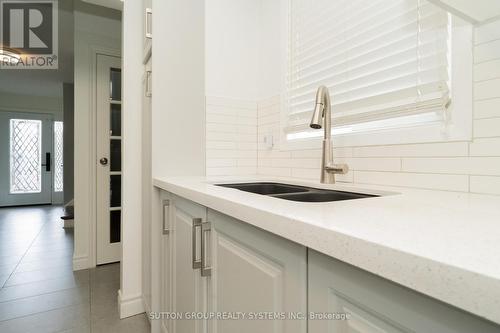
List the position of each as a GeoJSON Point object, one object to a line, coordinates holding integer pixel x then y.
{"type": "Point", "coordinates": [487, 70]}
{"type": "Point", "coordinates": [487, 89]}
{"type": "Point", "coordinates": [487, 185]}
{"type": "Point", "coordinates": [269, 103]}
{"type": "Point", "coordinates": [222, 136]}
{"type": "Point", "coordinates": [446, 165]}
{"type": "Point", "coordinates": [487, 166]}
{"type": "Point", "coordinates": [231, 135]}
{"type": "Point", "coordinates": [417, 180]}
{"type": "Point", "coordinates": [487, 108]}
{"type": "Point", "coordinates": [485, 147]}
{"type": "Point", "coordinates": [222, 119]}
{"type": "Point", "coordinates": [220, 162]}
{"type": "Point", "coordinates": [484, 128]}
{"type": "Point", "coordinates": [487, 32]}
{"type": "Point", "coordinates": [230, 103]}
{"type": "Point", "coordinates": [414, 150]}
{"type": "Point", "coordinates": [271, 171]}
{"type": "Point", "coordinates": [372, 164]}
{"type": "Point", "coordinates": [487, 51]}
{"type": "Point", "coordinates": [221, 145]}
{"type": "Point", "coordinates": [221, 128]}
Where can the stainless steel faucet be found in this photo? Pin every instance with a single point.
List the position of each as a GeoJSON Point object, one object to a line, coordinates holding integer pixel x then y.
{"type": "Point", "coordinates": [322, 117]}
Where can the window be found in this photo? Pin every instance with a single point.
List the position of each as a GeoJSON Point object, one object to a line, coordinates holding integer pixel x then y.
{"type": "Point", "coordinates": [58, 156]}
{"type": "Point", "coordinates": [25, 156]}
{"type": "Point", "coordinates": [389, 65]}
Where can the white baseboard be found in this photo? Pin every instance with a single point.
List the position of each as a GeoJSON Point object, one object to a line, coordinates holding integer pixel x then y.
{"type": "Point", "coordinates": [80, 263]}
{"type": "Point", "coordinates": [130, 305]}
{"type": "Point", "coordinates": [147, 308]}
{"type": "Point", "coordinates": [69, 224]}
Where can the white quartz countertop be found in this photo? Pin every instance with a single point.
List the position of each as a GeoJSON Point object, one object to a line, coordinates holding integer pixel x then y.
{"type": "Point", "coordinates": [443, 244]}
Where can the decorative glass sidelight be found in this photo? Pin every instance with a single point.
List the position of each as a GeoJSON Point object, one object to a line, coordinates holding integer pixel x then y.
{"type": "Point", "coordinates": [25, 156]}
{"type": "Point", "coordinates": [58, 156]}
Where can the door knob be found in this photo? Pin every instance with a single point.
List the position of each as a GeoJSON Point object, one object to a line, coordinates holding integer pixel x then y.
{"type": "Point", "coordinates": [103, 161]}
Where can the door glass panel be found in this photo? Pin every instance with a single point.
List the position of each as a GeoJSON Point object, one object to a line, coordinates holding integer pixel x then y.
{"type": "Point", "coordinates": [116, 120]}
{"type": "Point", "coordinates": [25, 156]}
{"type": "Point", "coordinates": [115, 226]}
{"type": "Point", "coordinates": [116, 84]}
{"type": "Point", "coordinates": [115, 191]}
{"type": "Point", "coordinates": [116, 155]}
{"type": "Point", "coordinates": [58, 156]}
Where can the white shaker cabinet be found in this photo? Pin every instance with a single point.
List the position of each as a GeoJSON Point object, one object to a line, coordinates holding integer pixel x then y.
{"type": "Point", "coordinates": [184, 289]}
{"type": "Point", "coordinates": [218, 265]}
{"type": "Point", "coordinates": [376, 305]}
{"type": "Point", "coordinates": [255, 272]}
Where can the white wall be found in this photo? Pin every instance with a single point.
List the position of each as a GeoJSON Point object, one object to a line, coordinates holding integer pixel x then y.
{"type": "Point", "coordinates": [130, 294]}
{"type": "Point", "coordinates": [96, 30]}
{"type": "Point", "coordinates": [232, 37]}
{"type": "Point", "coordinates": [29, 103]}
{"type": "Point", "coordinates": [178, 87]}
{"type": "Point", "coordinates": [231, 48]}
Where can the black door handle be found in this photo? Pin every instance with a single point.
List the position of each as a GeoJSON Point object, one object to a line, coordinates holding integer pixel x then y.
{"type": "Point", "coordinates": [47, 162]}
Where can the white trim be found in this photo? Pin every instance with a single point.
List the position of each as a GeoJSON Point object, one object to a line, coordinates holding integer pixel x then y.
{"type": "Point", "coordinates": [457, 128]}
{"type": "Point", "coordinates": [129, 306]}
{"type": "Point", "coordinates": [147, 308]}
{"type": "Point", "coordinates": [80, 263]}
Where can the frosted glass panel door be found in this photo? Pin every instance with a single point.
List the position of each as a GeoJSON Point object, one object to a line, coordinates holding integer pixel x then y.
{"type": "Point", "coordinates": [25, 159]}
{"type": "Point", "coordinates": [109, 159]}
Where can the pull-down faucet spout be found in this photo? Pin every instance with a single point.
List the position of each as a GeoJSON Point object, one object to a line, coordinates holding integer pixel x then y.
{"type": "Point", "coordinates": [322, 118]}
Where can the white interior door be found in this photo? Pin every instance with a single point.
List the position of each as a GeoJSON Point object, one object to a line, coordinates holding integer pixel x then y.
{"type": "Point", "coordinates": [108, 161]}
{"type": "Point", "coordinates": [26, 159]}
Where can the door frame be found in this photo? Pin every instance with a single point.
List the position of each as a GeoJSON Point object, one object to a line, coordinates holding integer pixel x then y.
{"type": "Point", "coordinates": [43, 115]}
{"type": "Point", "coordinates": [85, 255]}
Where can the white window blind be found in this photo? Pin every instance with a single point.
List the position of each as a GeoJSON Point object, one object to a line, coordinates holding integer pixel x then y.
{"type": "Point", "coordinates": [380, 59]}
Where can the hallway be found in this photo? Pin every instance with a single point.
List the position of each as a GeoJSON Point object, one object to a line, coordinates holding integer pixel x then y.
{"type": "Point", "coordinates": [39, 290]}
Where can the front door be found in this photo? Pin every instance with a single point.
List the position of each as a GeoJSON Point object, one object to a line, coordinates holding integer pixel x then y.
{"type": "Point", "coordinates": [108, 161]}
{"type": "Point", "coordinates": [26, 161]}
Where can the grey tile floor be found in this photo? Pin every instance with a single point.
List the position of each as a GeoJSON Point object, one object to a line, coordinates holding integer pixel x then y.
{"type": "Point", "coordinates": [39, 290]}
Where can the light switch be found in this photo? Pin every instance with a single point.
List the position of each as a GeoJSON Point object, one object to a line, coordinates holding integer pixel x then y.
{"type": "Point", "coordinates": [268, 141]}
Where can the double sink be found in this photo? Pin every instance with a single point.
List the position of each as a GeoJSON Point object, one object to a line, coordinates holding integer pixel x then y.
{"type": "Point", "coordinates": [296, 193]}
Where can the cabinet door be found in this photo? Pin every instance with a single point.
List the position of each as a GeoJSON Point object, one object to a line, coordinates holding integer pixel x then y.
{"type": "Point", "coordinates": [375, 305]}
{"type": "Point", "coordinates": [254, 271]}
{"type": "Point", "coordinates": [189, 287]}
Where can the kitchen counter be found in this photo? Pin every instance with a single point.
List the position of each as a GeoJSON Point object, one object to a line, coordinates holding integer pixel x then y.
{"type": "Point", "coordinates": [443, 244]}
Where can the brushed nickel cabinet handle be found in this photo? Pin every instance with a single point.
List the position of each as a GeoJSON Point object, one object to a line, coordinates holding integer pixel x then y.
{"type": "Point", "coordinates": [149, 14]}
{"type": "Point", "coordinates": [196, 224]}
{"type": "Point", "coordinates": [206, 270]}
{"type": "Point", "coordinates": [165, 230]}
{"type": "Point", "coordinates": [148, 92]}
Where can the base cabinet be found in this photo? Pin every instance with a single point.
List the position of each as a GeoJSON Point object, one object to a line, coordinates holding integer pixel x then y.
{"type": "Point", "coordinates": [255, 273]}
{"type": "Point", "coordinates": [376, 305]}
{"type": "Point", "coordinates": [243, 279]}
